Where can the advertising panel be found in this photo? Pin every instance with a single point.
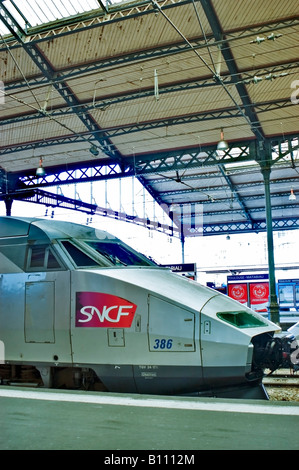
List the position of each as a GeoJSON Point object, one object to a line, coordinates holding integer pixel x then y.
{"type": "Point", "coordinates": [297, 295]}
{"type": "Point", "coordinates": [259, 296]}
{"type": "Point", "coordinates": [250, 289]}
{"type": "Point", "coordinates": [288, 293]}
{"type": "Point", "coordinates": [238, 292]}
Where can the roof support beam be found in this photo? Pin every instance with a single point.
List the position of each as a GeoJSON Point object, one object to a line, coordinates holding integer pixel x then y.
{"type": "Point", "coordinates": [230, 62]}
{"type": "Point", "coordinates": [160, 162]}
{"type": "Point", "coordinates": [10, 22]}
{"type": "Point", "coordinates": [236, 195]}
{"type": "Point", "coordinates": [53, 200]}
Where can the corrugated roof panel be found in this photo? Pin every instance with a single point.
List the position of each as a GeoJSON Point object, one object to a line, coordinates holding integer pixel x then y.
{"type": "Point", "coordinates": [57, 155]}
{"type": "Point", "coordinates": [29, 99]}
{"type": "Point", "coordinates": [252, 56]}
{"type": "Point", "coordinates": [39, 129]}
{"type": "Point", "coordinates": [281, 121]}
{"type": "Point", "coordinates": [243, 13]}
{"type": "Point", "coordinates": [172, 105]}
{"type": "Point", "coordinates": [15, 64]}
{"type": "Point", "coordinates": [185, 135]}
{"type": "Point", "coordinates": [144, 31]}
{"type": "Point", "coordinates": [139, 77]}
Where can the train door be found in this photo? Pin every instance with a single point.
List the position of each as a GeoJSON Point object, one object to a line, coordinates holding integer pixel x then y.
{"type": "Point", "coordinates": [47, 322]}
{"type": "Point", "coordinates": [39, 321]}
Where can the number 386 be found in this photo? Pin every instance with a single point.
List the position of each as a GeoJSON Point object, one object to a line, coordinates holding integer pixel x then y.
{"type": "Point", "coordinates": [163, 343]}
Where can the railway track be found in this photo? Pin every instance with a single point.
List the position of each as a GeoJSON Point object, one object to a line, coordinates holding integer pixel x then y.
{"type": "Point", "coordinates": [282, 377]}
{"type": "Point", "coordinates": [282, 385]}
{"type": "Point", "coordinates": [281, 381]}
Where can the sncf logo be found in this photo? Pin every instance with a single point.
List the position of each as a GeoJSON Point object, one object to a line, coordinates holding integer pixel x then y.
{"type": "Point", "coordinates": [94, 309]}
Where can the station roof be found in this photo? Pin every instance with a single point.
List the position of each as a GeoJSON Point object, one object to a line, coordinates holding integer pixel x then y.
{"type": "Point", "coordinates": [146, 88]}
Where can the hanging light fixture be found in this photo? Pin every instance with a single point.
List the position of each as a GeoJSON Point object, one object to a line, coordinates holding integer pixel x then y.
{"type": "Point", "coordinates": [94, 150]}
{"type": "Point", "coordinates": [292, 196]}
{"type": "Point", "coordinates": [222, 144]}
{"type": "Point", "coordinates": [40, 171]}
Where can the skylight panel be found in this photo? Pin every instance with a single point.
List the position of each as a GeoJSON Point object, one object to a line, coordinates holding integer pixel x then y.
{"type": "Point", "coordinates": [30, 13]}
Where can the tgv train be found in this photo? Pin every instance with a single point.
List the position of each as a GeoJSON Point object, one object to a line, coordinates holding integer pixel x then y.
{"type": "Point", "coordinates": [81, 309]}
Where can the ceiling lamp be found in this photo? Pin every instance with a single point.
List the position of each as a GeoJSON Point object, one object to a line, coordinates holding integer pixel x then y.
{"type": "Point", "coordinates": [222, 144]}
{"type": "Point", "coordinates": [40, 171]}
{"type": "Point", "coordinates": [292, 196]}
{"type": "Point", "coordinates": [94, 150]}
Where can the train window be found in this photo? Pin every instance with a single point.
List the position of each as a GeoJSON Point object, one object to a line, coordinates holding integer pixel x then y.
{"type": "Point", "coordinates": [41, 257]}
{"type": "Point", "coordinates": [119, 254]}
{"type": "Point", "coordinates": [80, 258]}
{"type": "Point", "coordinates": [37, 259]}
{"type": "Point", "coordinates": [241, 319]}
{"type": "Point", "coordinates": [52, 262]}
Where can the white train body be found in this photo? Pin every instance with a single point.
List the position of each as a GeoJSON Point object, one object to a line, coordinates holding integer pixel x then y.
{"type": "Point", "coordinates": [80, 308]}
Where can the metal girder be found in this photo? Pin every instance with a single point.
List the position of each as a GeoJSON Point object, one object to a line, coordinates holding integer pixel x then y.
{"type": "Point", "coordinates": [247, 227]}
{"type": "Point", "coordinates": [11, 23]}
{"type": "Point", "coordinates": [45, 143]}
{"type": "Point", "coordinates": [155, 194]}
{"type": "Point", "coordinates": [48, 199]}
{"type": "Point", "coordinates": [218, 188]}
{"type": "Point", "coordinates": [54, 200]}
{"type": "Point", "coordinates": [234, 191]}
{"type": "Point", "coordinates": [139, 166]}
{"type": "Point", "coordinates": [122, 12]}
{"type": "Point", "coordinates": [130, 128]}
{"type": "Point", "coordinates": [88, 20]}
{"type": "Point", "coordinates": [252, 210]}
{"type": "Point", "coordinates": [82, 70]}
{"type": "Point", "coordinates": [226, 113]}
{"type": "Point", "coordinates": [231, 65]}
{"type": "Point", "coordinates": [182, 159]}
{"type": "Point", "coordinates": [77, 174]}
{"type": "Point", "coordinates": [198, 117]}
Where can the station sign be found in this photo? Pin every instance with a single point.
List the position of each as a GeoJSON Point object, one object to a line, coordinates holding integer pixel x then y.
{"type": "Point", "coordinates": [186, 269]}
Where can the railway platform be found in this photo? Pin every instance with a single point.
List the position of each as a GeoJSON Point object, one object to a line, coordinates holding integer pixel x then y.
{"type": "Point", "coordinates": [43, 419]}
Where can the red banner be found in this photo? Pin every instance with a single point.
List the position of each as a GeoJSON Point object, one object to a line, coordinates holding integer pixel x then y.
{"type": "Point", "coordinates": [238, 292]}
{"type": "Point", "coordinates": [96, 310]}
{"type": "Point", "coordinates": [259, 295]}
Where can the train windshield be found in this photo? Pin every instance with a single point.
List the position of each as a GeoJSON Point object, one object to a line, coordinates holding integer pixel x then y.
{"type": "Point", "coordinates": [119, 254]}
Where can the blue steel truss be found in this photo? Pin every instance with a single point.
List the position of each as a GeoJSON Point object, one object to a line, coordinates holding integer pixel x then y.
{"type": "Point", "coordinates": [48, 199]}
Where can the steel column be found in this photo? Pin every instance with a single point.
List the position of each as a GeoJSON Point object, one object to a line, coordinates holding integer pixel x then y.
{"type": "Point", "coordinates": [273, 304]}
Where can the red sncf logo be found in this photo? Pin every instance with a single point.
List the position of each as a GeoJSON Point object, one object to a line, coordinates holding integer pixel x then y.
{"type": "Point", "coordinates": [95, 310]}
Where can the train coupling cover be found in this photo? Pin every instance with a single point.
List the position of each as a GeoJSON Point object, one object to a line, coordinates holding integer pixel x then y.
{"type": "Point", "coordinates": [277, 352]}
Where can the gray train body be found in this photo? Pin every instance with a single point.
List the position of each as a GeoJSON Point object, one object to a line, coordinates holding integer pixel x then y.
{"type": "Point", "coordinates": [79, 308]}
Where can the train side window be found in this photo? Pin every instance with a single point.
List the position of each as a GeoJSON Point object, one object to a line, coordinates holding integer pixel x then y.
{"type": "Point", "coordinates": [37, 256]}
{"type": "Point", "coordinates": [52, 262]}
{"type": "Point", "coordinates": [41, 257]}
{"type": "Point", "coordinates": [80, 258]}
